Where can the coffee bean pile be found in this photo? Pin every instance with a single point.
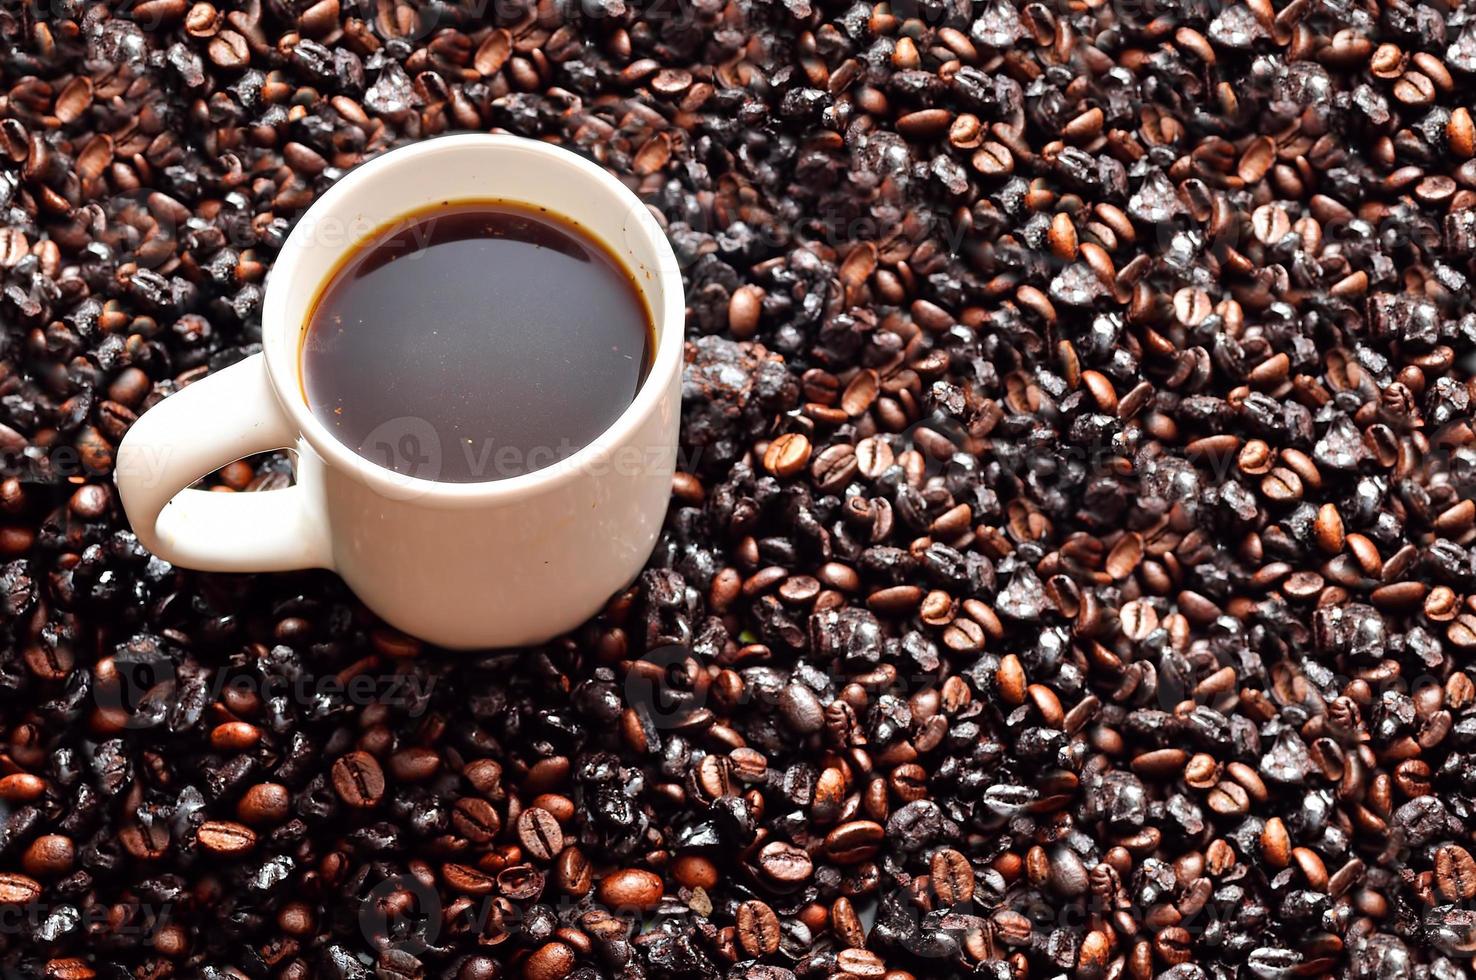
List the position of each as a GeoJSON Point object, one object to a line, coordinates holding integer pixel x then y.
{"type": "Point", "coordinates": [1068, 573]}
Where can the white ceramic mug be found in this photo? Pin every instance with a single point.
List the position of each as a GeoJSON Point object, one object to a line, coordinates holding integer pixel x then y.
{"type": "Point", "coordinates": [463, 565]}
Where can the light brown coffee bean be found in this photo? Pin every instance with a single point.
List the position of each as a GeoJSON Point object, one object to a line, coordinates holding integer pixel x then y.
{"type": "Point", "coordinates": [758, 928]}
{"type": "Point", "coordinates": [225, 837]}
{"type": "Point", "coordinates": [787, 454]}
{"type": "Point", "coordinates": [18, 889]}
{"type": "Point", "coordinates": [784, 863]}
{"type": "Point", "coordinates": [359, 780]}
{"type": "Point", "coordinates": [631, 888]}
{"type": "Point", "coordinates": [952, 876]}
{"type": "Point", "coordinates": [551, 961]}
{"type": "Point", "coordinates": [1455, 873]}
{"type": "Point", "coordinates": [540, 834]}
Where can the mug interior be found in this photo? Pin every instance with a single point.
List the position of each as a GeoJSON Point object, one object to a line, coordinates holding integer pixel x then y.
{"type": "Point", "coordinates": [449, 170]}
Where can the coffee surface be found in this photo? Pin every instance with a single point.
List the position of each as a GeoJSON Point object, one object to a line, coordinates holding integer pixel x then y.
{"type": "Point", "coordinates": [475, 341]}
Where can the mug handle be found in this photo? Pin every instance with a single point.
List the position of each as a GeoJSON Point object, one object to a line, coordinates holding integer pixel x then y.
{"type": "Point", "coordinates": [198, 429]}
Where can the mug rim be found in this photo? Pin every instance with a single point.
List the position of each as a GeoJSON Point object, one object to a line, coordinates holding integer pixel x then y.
{"type": "Point", "coordinates": [281, 342]}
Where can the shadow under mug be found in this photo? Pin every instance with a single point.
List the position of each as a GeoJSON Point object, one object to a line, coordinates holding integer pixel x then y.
{"type": "Point", "coordinates": [463, 565]}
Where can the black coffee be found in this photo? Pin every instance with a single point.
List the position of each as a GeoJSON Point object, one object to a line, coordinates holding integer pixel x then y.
{"type": "Point", "coordinates": [475, 341]}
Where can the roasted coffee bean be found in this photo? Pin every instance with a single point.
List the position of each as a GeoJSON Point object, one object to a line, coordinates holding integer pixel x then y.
{"type": "Point", "coordinates": [145, 841]}
{"type": "Point", "coordinates": [18, 890]}
{"type": "Point", "coordinates": [846, 924]}
{"type": "Point", "coordinates": [834, 467]}
{"type": "Point", "coordinates": [695, 871]}
{"type": "Point", "coordinates": [1455, 873]}
{"type": "Point", "coordinates": [264, 803]}
{"type": "Point", "coordinates": [1173, 945]}
{"type": "Point", "coordinates": [862, 964]}
{"type": "Point", "coordinates": [1228, 799]}
{"type": "Point", "coordinates": [952, 876]}
{"type": "Point", "coordinates": [787, 455]}
{"type": "Point", "coordinates": [359, 780]}
{"type": "Point", "coordinates": [758, 929]}
{"type": "Point", "coordinates": [414, 765]}
{"type": "Point", "coordinates": [225, 837]}
{"type": "Point", "coordinates": [630, 888]}
{"type": "Point", "coordinates": [21, 787]}
{"type": "Point", "coordinates": [744, 310]}
{"type": "Point", "coordinates": [48, 856]}
{"type": "Point", "coordinates": [475, 819]}
{"type": "Point", "coordinates": [551, 961]}
{"type": "Point", "coordinates": [993, 160]}
{"type": "Point", "coordinates": [235, 736]}
{"type": "Point", "coordinates": [853, 841]}
{"type": "Point", "coordinates": [784, 863]}
{"type": "Point", "coordinates": [540, 834]}
{"type": "Point", "coordinates": [574, 872]}
{"type": "Point", "coordinates": [469, 880]}
{"type": "Point", "coordinates": [229, 49]}
{"type": "Point", "coordinates": [1074, 506]}
{"type": "Point", "coordinates": [485, 776]}
{"type": "Point", "coordinates": [874, 457]}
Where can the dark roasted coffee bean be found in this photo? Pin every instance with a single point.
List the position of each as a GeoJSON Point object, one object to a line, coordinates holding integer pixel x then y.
{"type": "Point", "coordinates": [1075, 506]}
